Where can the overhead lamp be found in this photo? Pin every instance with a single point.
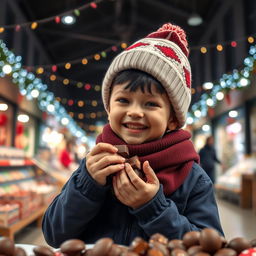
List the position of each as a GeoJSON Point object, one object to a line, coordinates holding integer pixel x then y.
{"type": "Point", "coordinates": [195, 20]}
{"type": "Point", "coordinates": [68, 19]}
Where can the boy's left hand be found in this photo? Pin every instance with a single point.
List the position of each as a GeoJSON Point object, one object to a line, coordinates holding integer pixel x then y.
{"type": "Point", "coordinates": [131, 190]}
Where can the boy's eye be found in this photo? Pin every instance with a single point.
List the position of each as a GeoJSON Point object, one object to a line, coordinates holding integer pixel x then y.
{"type": "Point", "coordinates": [152, 104]}
{"type": "Point", "coordinates": [122, 100]}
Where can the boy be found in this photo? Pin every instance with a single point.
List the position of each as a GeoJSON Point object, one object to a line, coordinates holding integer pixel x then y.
{"type": "Point", "coordinates": [146, 92]}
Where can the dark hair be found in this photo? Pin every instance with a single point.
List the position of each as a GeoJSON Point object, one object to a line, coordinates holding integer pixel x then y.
{"type": "Point", "coordinates": [137, 80]}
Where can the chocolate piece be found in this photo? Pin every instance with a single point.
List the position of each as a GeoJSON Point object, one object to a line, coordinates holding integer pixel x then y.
{"type": "Point", "coordinates": [7, 246]}
{"type": "Point", "coordinates": [43, 251]}
{"type": "Point", "coordinates": [194, 249]}
{"type": "Point", "coordinates": [102, 247]}
{"type": "Point", "coordinates": [122, 150]}
{"type": "Point", "coordinates": [239, 244]}
{"type": "Point", "coordinates": [19, 252]}
{"type": "Point", "coordinates": [210, 240]}
{"type": "Point", "coordinates": [226, 252]}
{"type": "Point", "coordinates": [191, 238]}
{"type": "Point", "coordinates": [73, 247]}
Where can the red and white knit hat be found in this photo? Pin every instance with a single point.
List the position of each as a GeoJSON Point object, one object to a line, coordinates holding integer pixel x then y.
{"type": "Point", "coordinates": [164, 55]}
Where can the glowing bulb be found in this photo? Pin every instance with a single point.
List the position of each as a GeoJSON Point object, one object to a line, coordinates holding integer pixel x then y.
{"type": "Point", "coordinates": [3, 106]}
{"type": "Point", "coordinates": [206, 128]}
{"type": "Point", "coordinates": [208, 85]}
{"type": "Point", "coordinates": [219, 95]}
{"type": "Point", "coordinates": [64, 121]}
{"type": "Point", "coordinates": [50, 108]}
{"type": "Point", "coordinates": [35, 93]}
{"type": "Point", "coordinates": [7, 69]}
{"type": "Point", "coordinates": [233, 113]}
{"type": "Point", "coordinates": [23, 118]}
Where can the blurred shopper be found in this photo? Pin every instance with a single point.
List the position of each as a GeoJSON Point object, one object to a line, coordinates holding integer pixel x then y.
{"type": "Point", "coordinates": [67, 157]}
{"type": "Point", "coordinates": [208, 158]}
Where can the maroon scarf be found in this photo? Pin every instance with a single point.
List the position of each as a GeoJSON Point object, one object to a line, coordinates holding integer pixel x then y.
{"type": "Point", "coordinates": [171, 157]}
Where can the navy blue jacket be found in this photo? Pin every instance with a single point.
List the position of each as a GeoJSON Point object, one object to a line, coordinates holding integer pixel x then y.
{"type": "Point", "coordinates": [88, 211]}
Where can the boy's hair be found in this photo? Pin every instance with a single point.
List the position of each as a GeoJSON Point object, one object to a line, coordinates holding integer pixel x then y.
{"type": "Point", "coordinates": [137, 79]}
{"type": "Point", "coordinates": [164, 55]}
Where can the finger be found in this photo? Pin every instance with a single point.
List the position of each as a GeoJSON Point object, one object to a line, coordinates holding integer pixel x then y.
{"type": "Point", "coordinates": [103, 147]}
{"type": "Point", "coordinates": [149, 173]}
{"type": "Point", "coordinates": [135, 180]}
{"type": "Point", "coordinates": [109, 160]}
{"type": "Point", "coordinates": [109, 170]}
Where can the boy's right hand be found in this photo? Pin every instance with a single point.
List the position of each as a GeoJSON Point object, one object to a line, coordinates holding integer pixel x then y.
{"type": "Point", "coordinates": [103, 161]}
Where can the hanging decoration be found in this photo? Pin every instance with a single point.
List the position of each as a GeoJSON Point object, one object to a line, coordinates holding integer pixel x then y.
{"type": "Point", "coordinates": [32, 87]}
{"type": "Point", "coordinates": [56, 18]}
{"type": "Point", "coordinates": [221, 89]}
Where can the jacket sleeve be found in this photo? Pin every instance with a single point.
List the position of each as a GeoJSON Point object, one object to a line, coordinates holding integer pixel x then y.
{"type": "Point", "coordinates": [197, 211]}
{"type": "Point", "coordinates": [70, 212]}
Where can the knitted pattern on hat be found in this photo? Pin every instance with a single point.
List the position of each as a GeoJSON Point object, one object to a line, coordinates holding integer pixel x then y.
{"type": "Point", "coordinates": [164, 55]}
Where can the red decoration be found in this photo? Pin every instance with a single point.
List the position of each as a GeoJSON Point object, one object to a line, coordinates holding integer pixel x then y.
{"type": "Point", "coordinates": [57, 19]}
{"type": "Point", "coordinates": [169, 52]}
{"type": "Point", "coordinates": [228, 98]}
{"type": "Point", "coordinates": [87, 87]}
{"type": "Point", "coordinates": [20, 98]}
{"type": "Point", "coordinates": [114, 48]}
{"type": "Point", "coordinates": [17, 28]}
{"type": "Point", "coordinates": [54, 68]}
{"type": "Point", "coordinates": [70, 102]}
{"type": "Point", "coordinates": [248, 252]}
{"type": "Point", "coordinates": [136, 45]}
{"type": "Point", "coordinates": [93, 5]}
{"type": "Point", "coordinates": [3, 119]}
{"type": "Point", "coordinates": [233, 44]}
{"type": "Point", "coordinates": [19, 128]}
{"type": "Point", "coordinates": [187, 76]}
{"type": "Point", "coordinates": [44, 116]}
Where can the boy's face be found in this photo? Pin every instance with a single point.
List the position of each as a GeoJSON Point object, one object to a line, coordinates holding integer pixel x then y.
{"type": "Point", "coordinates": [139, 117]}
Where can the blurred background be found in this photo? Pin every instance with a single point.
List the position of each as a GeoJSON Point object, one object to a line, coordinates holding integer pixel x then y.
{"type": "Point", "coordinates": [53, 56]}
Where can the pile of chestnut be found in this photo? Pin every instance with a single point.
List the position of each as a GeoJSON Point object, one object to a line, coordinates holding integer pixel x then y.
{"type": "Point", "coordinates": [194, 243]}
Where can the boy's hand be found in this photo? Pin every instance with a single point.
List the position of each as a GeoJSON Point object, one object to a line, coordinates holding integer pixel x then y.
{"type": "Point", "coordinates": [131, 190]}
{"type": "Point", "coordinates": [102, 161]}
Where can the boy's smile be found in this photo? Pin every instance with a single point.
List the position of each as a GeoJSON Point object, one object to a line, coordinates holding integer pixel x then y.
{"type": "Point", "coordinates": [137, 116]}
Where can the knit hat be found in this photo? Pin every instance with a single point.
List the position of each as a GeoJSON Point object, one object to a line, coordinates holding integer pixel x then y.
{"type": "Point", "coordinates": [164, 55]}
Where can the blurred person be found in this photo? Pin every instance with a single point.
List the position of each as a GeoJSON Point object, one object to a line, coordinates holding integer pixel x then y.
{"type": "Point", "coordinates": [208, 158]}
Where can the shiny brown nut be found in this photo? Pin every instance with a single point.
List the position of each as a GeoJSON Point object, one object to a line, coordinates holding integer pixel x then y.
{"type": "Point", "coordinates": [239, 244]}
{"type": "Point", "coordinates": [191, 238]}
{"type": "Point", "coordinates": [7, 246]}
{"type": "Point", "coordinates": [178, 252]}
{"type": "Point", "coordinates": [138, 245]}
{"type": "Point", "coordinates": [73, 247]}
{"type": "Point", "coordinates": [202, 254]}
{"type": "Point", "coordinates": [43, 250]}
{"type": "Point", "coordinates": [102, 247]}
{"type": "Point", "coordinates": [194, 249]}
{"type": "Point", "coordinates": [19, 251]}
{"type": "Point", "coordinates": [176, 243]}
{"type": "Point", "coordinates": [129, 253]}
{"type": "Point", "coordinates": [159, 238]}
{"type": "Point", "coordinates": [154, 252]}
{"type": "Point", "coordinates": [159, 246]}
{"type": "Point", "coordinates": [225, 252]}
{"type": "Point", "coordinates": [210, 240]}
{"type": "Point", "coordinates": [122, 150]}
{"type": "Point", "coordinates": [115, 250]}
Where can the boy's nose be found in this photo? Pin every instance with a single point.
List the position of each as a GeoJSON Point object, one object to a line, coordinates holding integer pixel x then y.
{"type": "Point", "coordinates": [135, 113]}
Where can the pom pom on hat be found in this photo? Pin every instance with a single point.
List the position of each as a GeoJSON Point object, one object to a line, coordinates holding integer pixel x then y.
{"type": "Point", "coordinates": [164, 55]}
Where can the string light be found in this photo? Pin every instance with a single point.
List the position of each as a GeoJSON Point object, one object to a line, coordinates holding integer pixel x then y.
{"type": "Point", "coordinates": [203, 50]}
{"type": "Point", "coordinates": [66, 81]}
{"type": "Point", "coordinates": [84, 61]}
{"type": "Point", "coordinates": [233, 44]}
{"type": "Point", "coordinates": [67, 65]}
{"type": "Point", "coordinates": [34, 25]}
{"type": "Point", "coordinates": [52, 77]}
{"type": "Point", "coordinates": [1, 29]}
{"type": "Point", "coordinates": [250, 39]}
{"type": "Point", "coordinates": [219, 47]}
{"type": "Point", "coordinates": [97, 57]}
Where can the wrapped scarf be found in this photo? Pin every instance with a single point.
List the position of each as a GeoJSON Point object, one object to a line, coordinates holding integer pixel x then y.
{"type": "Point", "coordinates": [171, 157]}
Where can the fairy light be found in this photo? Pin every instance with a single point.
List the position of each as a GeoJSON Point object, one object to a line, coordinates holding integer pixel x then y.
{"type": "Point", "coordinates": [40, 70]}
{"type": "Point", "coordinates": [79, 84]}
{"type": "Point", "coordinates": [84, 61]}
{"type": "Point", "coordinates": [97, 88]}
{"type": "Point", "coordinates": [233, 44]}
{"type": "Point", "coordinates": [250, 39]}
{"type": "Point", "coordinates": [67, 65]}
{"type": "Point", "coordinates": [193, 91]}
{"type": "Point", "coordinates": [94, 103]}
{"type": "Point", "coordinates": [81, 116]}
{"type": "Point", "coordinates": [124, 45]}
{"type": "Point", "coordinates": [97, 56]}
{"type": "Point", "coordinates": [34, 25]}
{"type": "Point", "coordinates": [203, 50]}
{"type": "Point", "coordinates": [93, 115]}
{"type": "Point", "coordinates": [71, 114]}
{"type": "Point", "coordinates": [52, 77]}
{"type": "Point", "coordinates": [219, 47]}
{"type": "Point", "coordinates": [80, 103]}
{"type": "Point", "coordinates": [66, 81]}
{"type": "Point", "coordinates": [1, 29]}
